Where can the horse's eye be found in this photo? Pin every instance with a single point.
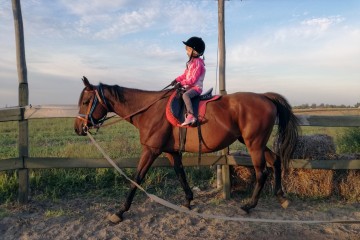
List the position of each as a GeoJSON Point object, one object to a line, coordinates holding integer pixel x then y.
{"type": "Point", "coordinates": [86, 102]}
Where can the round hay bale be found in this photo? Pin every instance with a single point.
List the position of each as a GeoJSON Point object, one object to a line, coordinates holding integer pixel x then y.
{"type": "Point", "coordinates": [317, 146]}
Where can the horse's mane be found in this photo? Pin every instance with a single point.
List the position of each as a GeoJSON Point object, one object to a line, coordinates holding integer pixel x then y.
{"type": "Point", "coordinates": [115, 90]}
{"type": "Point", "coordinates": [118, 91]}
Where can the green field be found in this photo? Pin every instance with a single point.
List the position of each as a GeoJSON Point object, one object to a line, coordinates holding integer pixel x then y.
{"type": "Point", "coordinates": [56, 138]}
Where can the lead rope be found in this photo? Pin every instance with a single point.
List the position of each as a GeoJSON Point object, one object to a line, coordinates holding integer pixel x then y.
{"type": "Point", "coordinates": [210, 216]}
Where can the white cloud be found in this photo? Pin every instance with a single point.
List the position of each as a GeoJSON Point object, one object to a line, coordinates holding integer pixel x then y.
{"type": "Point", "coordinates": [126, 23]}
{"type": "Point", "coordinates": [308, 29]}
{"type": "Point", "coordinates": [322, 23]}
{"type": "Point", "coordinates": [93, 7]}
{"type": "Point", "coordinates": [105, 20]}
{"type": "Point", "coordinates": [188, 16]}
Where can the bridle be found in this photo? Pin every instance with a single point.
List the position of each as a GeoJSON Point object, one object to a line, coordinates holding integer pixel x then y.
{"type": "Point", "coordinates": [97, 98]}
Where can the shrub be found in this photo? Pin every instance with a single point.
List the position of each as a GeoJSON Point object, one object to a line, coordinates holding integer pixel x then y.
{"type": "Point", "coordinates": [8, 186]}
{"type": "Point", "coordinates": [349, 141]}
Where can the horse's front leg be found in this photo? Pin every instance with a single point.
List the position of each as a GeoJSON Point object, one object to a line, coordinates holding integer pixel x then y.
{"type": "Point", "coordinates": [147, 158]}
{"type": "Point", "coordinates": [176, 161]}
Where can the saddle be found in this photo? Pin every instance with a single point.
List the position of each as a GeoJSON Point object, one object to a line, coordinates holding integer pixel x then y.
{"type": "Point", "coordinates": [175, 109]}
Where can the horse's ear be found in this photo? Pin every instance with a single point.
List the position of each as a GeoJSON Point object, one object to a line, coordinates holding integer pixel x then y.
{"type": "Point", "coordinates": [87, 83]}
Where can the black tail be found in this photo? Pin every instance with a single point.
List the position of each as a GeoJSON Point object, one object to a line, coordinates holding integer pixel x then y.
{"type": "Point", "coordinates": [288, 128]}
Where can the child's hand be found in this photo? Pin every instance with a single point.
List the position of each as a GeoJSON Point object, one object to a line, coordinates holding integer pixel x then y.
{"type": "Point", "coordinates": [173, 83]}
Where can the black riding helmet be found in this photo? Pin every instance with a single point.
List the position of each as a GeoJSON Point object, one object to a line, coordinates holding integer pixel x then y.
{"type": "Point", "coordinates": [197, 44]}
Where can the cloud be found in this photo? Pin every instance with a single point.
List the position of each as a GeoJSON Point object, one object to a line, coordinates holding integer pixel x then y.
{"type": "Point", "coordinates": [322, 24]}
{"type": "Point", "coordinates": [185, 17]}
{"type": "Point", "coordinates": [84, 8]}
{"type": "Point", "coordinates": [308, 29]}
{"type": "Point", "coordinates": [110, 20]}
{"type": "Point", "coordinates": [127, 23]}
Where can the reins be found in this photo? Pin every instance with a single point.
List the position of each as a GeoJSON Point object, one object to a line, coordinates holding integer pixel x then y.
{"type": "Point", "coordinates": [100, 98]}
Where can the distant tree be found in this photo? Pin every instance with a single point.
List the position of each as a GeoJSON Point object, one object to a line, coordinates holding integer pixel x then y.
{"type": "Point", "coordinates": [304, 106]}
{"type": "Point", "coordinates": [357, 105]}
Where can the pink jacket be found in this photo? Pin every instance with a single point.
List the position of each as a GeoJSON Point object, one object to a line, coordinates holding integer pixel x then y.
{"type": "Point", "coordinates": [193, 76]}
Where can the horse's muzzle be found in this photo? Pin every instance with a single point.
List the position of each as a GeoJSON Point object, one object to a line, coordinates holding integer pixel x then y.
{"type": "Point", "coordinates": [81, 131]}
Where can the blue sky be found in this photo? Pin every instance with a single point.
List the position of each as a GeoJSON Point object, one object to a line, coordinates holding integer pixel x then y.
{"type": "Point", "coordinates": [306, 50]}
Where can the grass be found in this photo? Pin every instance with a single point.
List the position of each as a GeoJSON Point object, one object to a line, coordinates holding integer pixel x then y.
{"type": "Point", "coordinates": [56, 138]}
{"type": "Point", "coordinates": [3, 213]}
{"type": "Point", "coordinates": [55, 213]}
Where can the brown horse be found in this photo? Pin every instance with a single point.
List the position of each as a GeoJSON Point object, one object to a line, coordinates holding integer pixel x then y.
{"type": "Point", "coordinates": [244, 116]}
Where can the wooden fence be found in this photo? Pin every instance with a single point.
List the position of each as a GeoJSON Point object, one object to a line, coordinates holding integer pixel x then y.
{"type": "Point", "coordinates": [307, 118]}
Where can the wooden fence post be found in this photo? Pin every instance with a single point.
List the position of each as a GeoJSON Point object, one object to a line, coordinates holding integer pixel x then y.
{"type": "Point", "coordinates": [23, 173]}
{"type": "Point", "coordinates": [222, 57]}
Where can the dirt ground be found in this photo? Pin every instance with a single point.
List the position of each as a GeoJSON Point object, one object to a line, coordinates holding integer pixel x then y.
{"type": "Point", "coordinates": [85, 218]}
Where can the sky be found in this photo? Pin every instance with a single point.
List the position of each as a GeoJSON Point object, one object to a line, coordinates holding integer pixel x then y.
{"type": "Point", "coordinates": [308, 51]}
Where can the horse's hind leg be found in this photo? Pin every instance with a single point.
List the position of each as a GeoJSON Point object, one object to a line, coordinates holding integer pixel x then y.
{"type": "Point", "coordinates": [274, 161]}
{"type": "Point", "coordinates": [257, 157]}
{"type": "Point", "coordinates": [147, 158]}
{"type": "Point", "coordinates": [175, 160]}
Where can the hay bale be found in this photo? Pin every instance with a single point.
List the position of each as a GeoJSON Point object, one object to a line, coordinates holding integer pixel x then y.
{"type": "Point", "coordinates": [317, 146]}
{"type": "Point", "coordinates": [309, 182]}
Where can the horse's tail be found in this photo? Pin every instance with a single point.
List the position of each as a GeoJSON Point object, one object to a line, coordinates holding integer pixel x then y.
{"type": "Point", "coordinates": [288, 128]}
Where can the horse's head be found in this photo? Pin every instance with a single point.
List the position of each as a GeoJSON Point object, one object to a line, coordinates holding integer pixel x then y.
{"type": "Point", "coordinates": [92, 108]}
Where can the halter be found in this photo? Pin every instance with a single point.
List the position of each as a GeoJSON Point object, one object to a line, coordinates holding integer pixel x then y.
{"type": "Point", "coordinates": [97, 98]}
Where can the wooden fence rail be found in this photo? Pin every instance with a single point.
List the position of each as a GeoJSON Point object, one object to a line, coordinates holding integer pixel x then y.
{"type": "Point", "coordinates": [49, 162]}
{"type": "Point", "coordinates": [309, 118]}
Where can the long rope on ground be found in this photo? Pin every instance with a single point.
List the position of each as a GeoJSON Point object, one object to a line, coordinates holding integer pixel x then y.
{"type": "Point", "coordinates": [211, 216]}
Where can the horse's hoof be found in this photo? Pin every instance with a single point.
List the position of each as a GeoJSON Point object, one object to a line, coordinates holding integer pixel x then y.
{"type": "Point", "coordinates": [115, 219]}
{"type": "Point", "coordinates": [186, 205]}
{"type": "Point", "coordinates": [285, 204]}
{"type": "Point", "coordinates": [246, 209]}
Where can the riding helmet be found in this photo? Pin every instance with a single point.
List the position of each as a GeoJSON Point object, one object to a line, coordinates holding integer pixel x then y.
{"type": "Point", "coordinates": [197, 44]}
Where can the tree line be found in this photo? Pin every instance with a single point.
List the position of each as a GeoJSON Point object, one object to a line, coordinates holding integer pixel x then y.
{"type": "Point", "coordinates": [323, 105]}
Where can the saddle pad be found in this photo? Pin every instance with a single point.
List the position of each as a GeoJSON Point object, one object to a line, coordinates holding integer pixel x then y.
{"type": "Point", "coordinates": [175, 106]}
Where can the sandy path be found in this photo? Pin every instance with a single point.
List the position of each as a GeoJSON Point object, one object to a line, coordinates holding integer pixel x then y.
{"type": "Point", "coordinates": [85, 218]}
